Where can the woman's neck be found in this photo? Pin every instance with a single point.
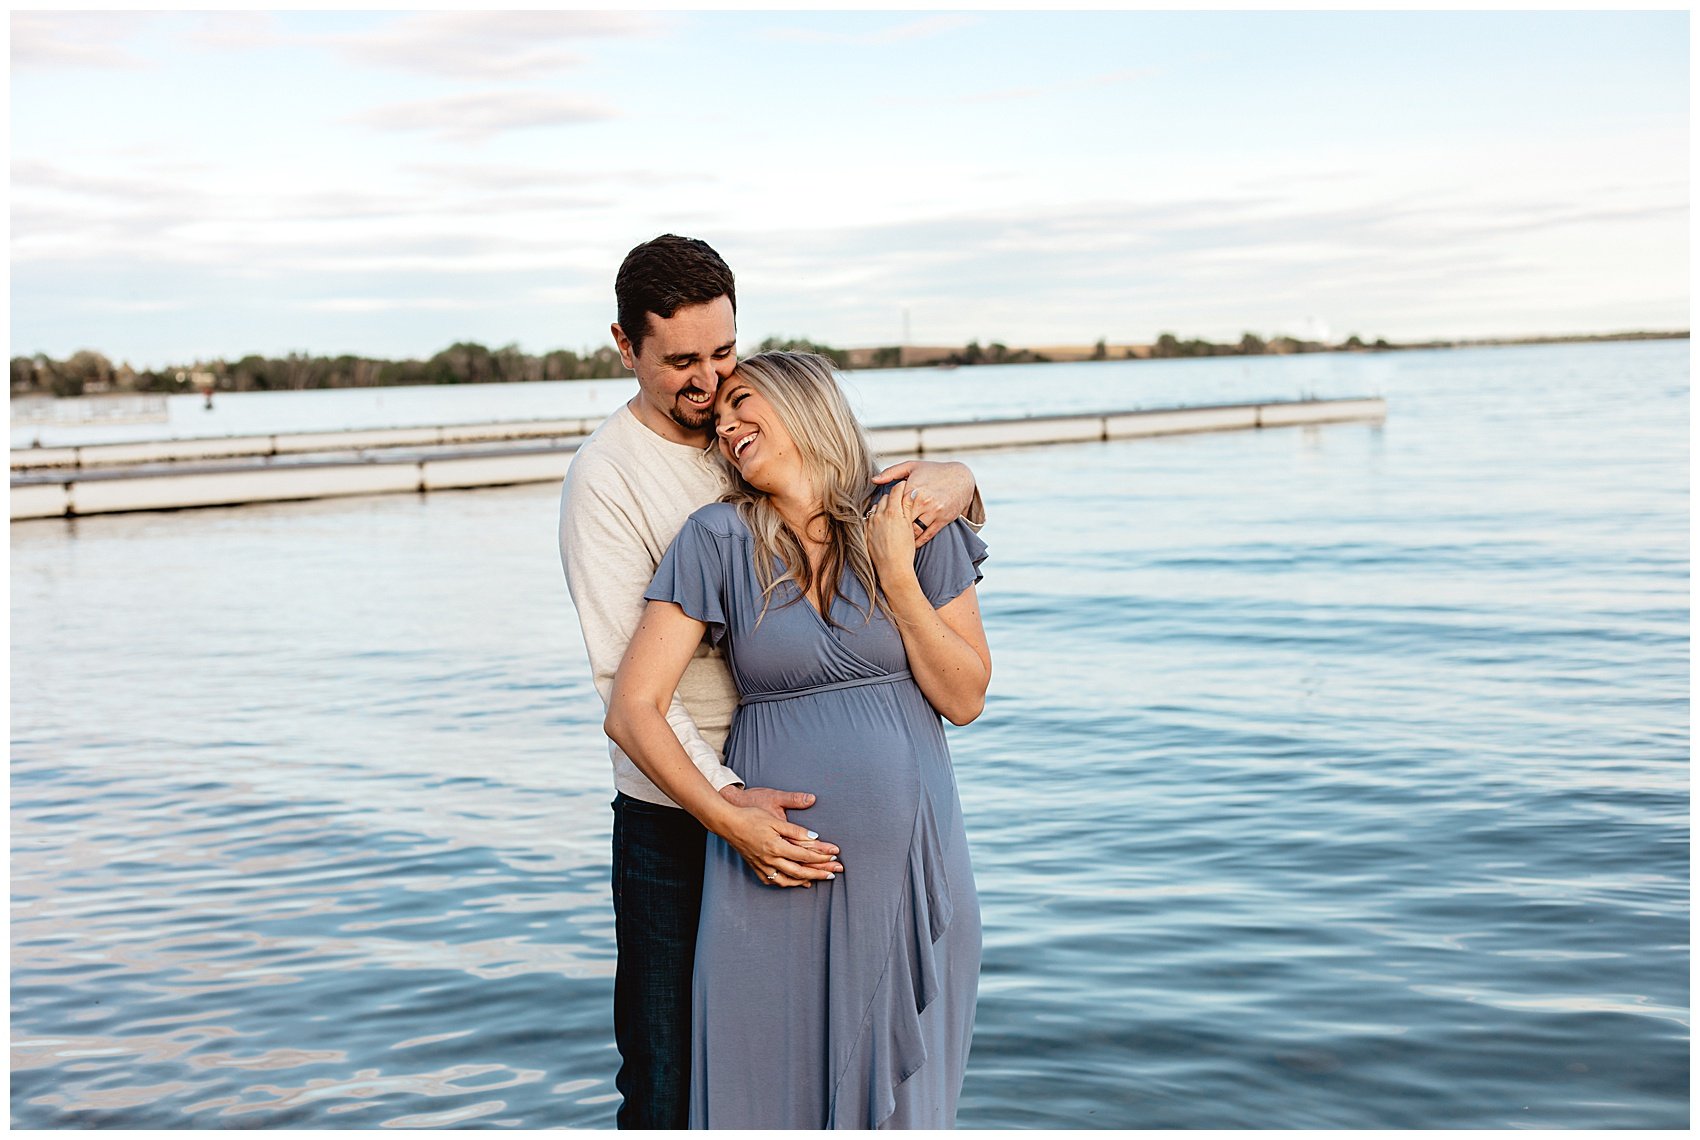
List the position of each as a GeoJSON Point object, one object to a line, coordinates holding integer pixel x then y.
{"type": "Point", "coordinates": [802, 513]}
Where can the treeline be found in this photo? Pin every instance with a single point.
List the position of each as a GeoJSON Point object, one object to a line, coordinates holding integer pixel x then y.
{"type": "Point", "coordinates": [993, 353]}
{"type": "Point", "coordinates": [89, 372]}
{"type": "Point", "coordinates": [891, 356]}
{"type": "Point", "coordinates": [838, 356]}
{"type": "Point", "coordinates": [1169, 347]}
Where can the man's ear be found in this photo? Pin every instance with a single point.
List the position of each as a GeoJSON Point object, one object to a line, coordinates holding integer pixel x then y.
{"type": "Point", "coordinates": [624, 344]}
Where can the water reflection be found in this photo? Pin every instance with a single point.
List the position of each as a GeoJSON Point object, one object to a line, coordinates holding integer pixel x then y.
{"type": "Point", "coordinates": [1372, 746]}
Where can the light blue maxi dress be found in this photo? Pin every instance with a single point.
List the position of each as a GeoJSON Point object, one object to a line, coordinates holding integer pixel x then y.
{"type": "Point", "coordinates": [849, 1004]}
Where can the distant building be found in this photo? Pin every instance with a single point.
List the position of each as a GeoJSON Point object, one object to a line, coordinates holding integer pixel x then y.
{"type": "Point", "coordinates": [921, 356]}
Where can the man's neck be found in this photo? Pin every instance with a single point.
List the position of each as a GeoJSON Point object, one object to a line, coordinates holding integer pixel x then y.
{"type": "Point", "coordinates": [666, 427]}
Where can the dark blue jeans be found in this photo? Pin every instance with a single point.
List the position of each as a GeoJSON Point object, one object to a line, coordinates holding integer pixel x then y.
{"type": "Point", "coordinates": [658, 856]}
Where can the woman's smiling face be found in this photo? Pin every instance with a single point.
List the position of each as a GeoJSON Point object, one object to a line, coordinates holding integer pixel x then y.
{"type": "Point", "coordinates": [750, 435]}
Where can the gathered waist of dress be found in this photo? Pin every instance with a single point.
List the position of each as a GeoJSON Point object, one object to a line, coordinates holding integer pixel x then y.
{"type": "Point", "coordinates": [831, 686]}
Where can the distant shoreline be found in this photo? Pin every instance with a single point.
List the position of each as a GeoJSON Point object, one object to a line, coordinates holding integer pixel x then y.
{"type": "Point", "coordinates": [89, 373]}
{"type": "Point", "coordinates": [922, 356]}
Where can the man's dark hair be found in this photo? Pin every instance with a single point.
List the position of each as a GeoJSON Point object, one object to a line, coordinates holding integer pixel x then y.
{"type": "Point", "coordinates": [661, 276]}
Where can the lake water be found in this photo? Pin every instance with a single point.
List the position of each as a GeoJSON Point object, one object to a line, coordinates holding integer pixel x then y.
{"type": "Point", "coordinates": [1330, 777]}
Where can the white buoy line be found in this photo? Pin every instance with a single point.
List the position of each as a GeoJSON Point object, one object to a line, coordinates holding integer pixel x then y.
{"type": "Point", "coordinates": [173, 474]}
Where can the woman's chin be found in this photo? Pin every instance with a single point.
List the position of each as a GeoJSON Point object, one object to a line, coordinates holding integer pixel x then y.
{"type": "Point", "coordinates": [755, 477]}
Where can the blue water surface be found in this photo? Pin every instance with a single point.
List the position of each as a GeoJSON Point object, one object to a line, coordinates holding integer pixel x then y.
{"type": "Point", "coordinates": [1330, 777]}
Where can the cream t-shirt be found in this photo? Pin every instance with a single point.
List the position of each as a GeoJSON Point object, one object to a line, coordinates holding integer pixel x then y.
{"type": "Point", "coordinates": [625, 497]}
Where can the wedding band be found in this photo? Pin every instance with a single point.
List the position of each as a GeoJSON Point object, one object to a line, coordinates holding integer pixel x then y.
{"type": "Point", "coordinates": [774, 875]}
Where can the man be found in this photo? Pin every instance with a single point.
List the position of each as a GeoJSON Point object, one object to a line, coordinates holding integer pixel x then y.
{"type": "Point", "coordinates": [628, 492]}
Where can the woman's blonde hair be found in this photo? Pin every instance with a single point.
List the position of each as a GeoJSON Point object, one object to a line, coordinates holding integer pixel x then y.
{"type": "Point", "coordinates": [807, 400]}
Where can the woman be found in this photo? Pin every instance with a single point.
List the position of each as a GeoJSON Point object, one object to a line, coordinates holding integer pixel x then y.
{"type": "Point", "coordinates": [850, 1003]}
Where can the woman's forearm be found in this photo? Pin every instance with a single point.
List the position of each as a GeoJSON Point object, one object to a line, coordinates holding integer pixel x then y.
{"type": "Point", "coordinates": [950, 672]}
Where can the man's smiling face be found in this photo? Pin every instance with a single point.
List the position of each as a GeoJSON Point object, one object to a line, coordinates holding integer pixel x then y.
{"type": "Point", "coordinates": [680, 364]}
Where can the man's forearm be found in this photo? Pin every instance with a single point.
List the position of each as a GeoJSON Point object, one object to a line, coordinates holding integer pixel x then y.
{"type": "Point", "coordinates": [653, 745]}
{"type": "Point", "coordinates": [702, 754]}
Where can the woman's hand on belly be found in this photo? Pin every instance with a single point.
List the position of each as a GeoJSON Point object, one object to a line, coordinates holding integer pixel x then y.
{"type": "Point", "coordinates": [778, 852]}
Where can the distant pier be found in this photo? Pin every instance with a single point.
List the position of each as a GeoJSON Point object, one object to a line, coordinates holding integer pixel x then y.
{"type": "Point", "coordinates": [49, 482]}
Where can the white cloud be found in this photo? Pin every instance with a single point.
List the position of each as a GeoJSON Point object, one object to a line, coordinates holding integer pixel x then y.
{"type": "Point", "coordinates": [476, 117]}
{"type": "Point", "coordinates": [1383, 264]}
{"type": "Point", "coordinates": [55, 40]}
{"type": "Point", "coordinates": [490, 176]}
{"type": "Point", "coordinates": [129, 305]}
{"type": "Point", "coordinates": [1106, 79]}
{"type": "Point", "coordinates": [589, 293]}
{"type": "Point", "coordinates": [225, 222]}
{"type": "Point", "coordinates": [920, 29]}
{"type": "Point", "coordinates": [479, 176]}
{"type": "Point", "coordinates": [239, 31]}
{"type": "Point", "coordinates": [487, 45]}
{"type": "Point", "coordinates": [394, 304]}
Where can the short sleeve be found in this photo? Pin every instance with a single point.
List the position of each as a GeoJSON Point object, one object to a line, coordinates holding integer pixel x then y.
{"type": "Point", "coordinates": [692, 575]}
{"type": "Point", "coordinates": [950, 563]}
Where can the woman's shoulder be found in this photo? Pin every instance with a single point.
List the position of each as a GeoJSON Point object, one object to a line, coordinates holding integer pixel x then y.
{"type": "Point", "coordinates": [721, 520]}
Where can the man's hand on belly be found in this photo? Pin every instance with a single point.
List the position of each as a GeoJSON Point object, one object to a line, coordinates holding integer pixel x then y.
{"type": "Point", "coordinates": [799, 860]}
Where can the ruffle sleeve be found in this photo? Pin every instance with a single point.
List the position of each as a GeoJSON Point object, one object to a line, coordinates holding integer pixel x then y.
{"type": "Point", "coordinates": [692, 575]}
{"type": "Point", "coordinates": [950, 563]}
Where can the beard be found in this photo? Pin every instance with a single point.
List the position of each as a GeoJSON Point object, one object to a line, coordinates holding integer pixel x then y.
{"type": "Point", "coordinates": [687, 415]}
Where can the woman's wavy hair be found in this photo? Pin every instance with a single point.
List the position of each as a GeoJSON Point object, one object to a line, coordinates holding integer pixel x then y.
{"type": "Point", "coordinates": [809, 403]}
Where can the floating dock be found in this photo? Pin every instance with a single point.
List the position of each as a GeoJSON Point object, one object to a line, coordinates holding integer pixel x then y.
{"type": "Point", "coordinates": [173, 474]}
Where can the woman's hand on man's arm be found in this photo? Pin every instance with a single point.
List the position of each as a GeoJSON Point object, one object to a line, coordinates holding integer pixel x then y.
{"type": "Point", "coordinates": [941, 492]}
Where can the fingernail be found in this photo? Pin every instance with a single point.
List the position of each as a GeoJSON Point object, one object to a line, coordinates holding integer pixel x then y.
{"type": "Point", "coordinates": [812, 835]}
{"type": "Point", "coordinates": [830, 875]}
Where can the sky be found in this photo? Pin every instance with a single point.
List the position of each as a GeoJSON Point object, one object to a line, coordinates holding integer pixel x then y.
{"type": "Point", "coordinates": [196, 184]}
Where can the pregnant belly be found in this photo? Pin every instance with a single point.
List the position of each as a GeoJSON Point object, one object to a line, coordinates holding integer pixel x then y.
{"type": "Point", "coordinates": [867, 755]}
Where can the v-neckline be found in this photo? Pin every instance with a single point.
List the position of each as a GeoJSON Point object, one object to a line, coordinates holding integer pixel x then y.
{"type": "Point", "coordinates": [820, 619]}
{"type": "Point", "coordinates": [808, 600]}
{"type": "Point", "coordinates": [826, 626]}
{"type": "Point", "coordinates": [807, 596]}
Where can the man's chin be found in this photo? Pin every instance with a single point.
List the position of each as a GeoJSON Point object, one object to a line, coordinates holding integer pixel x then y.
{"type": "Point", "coordinates": [691, 417]}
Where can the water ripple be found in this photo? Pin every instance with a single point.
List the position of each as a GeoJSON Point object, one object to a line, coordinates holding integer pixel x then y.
{"type": "Point", "coordinates": [1330, 778]}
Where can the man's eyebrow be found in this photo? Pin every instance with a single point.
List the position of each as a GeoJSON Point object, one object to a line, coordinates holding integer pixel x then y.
{"type": "Point", "coordinates": [687, 357]}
